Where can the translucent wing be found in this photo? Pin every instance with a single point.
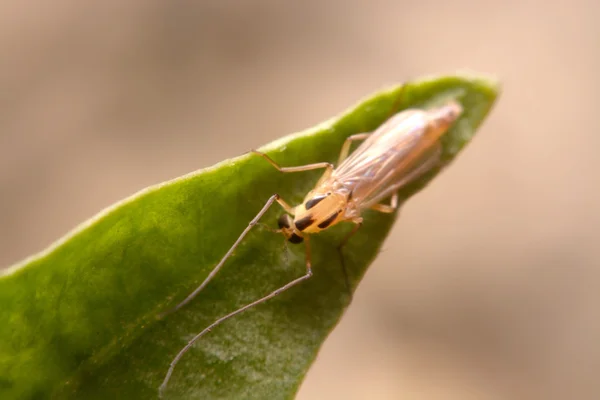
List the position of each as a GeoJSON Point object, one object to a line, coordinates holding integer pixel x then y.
{"type": "Point", "coordinates": [387, 156]}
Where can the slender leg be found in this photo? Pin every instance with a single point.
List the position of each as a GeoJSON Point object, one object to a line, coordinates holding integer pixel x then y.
{"type": "Point", "coordinates": [387, 208]}
{"type": "Point", "coordinates": [268, 204]}
{"type": "Point", "coordinates": [384, 208]}
{"type": "Point", "coordinates": [346, 146]}
{"type": "Point", "coordinates": [238, 311]}
{"type": "Point", "coordinates": [362, 136]}
{"type": "Point", "coordinates": [301, 168]}
{"type": "Point", "coordinates": [358, 224]}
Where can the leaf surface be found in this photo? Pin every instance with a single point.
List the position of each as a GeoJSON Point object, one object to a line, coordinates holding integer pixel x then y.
{"type": "Point", "coordinates": [79, 320]}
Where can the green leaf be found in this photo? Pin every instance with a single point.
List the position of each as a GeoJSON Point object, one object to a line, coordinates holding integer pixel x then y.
{"type": "Point", "coordinates": [79, 320]}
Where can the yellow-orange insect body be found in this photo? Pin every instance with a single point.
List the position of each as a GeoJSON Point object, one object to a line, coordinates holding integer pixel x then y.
{"type": "Point", "coordinates": [402, 149]}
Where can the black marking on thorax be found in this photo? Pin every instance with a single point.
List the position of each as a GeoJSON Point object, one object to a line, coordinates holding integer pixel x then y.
{"type": "Point", "coordinates": [304, 223]}
{"type": "Point", "coordinates": [329, 220]}
{"type": "Point", "coordinates": [314, 201]}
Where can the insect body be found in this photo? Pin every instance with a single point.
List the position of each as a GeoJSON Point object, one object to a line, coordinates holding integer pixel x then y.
{"type": "Point", "coordinates": [402, 149]}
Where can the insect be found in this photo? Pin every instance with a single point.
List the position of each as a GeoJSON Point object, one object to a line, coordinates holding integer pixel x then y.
{"type": "Point", "coordinates": [405, 147]}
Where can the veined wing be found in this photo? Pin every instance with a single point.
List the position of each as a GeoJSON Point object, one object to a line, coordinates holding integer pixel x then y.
{"type": "Point", "coordinates": [385, 156]}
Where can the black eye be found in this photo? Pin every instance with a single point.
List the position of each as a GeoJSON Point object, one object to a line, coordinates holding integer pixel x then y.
{"type": "Point", "coordinates": [285, 221]}
{"type": "Point", "coordinates": [295, 239]}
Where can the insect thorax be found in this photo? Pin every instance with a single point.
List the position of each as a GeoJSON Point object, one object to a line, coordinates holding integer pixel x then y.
{"type": "Point", "coordinates": [321, 210]}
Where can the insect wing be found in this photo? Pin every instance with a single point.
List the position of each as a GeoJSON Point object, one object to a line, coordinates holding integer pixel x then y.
{"type": "Point", "coordinates": [386, 156]}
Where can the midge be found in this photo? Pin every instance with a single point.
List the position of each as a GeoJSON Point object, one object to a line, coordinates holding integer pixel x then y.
{"type": "Point", "coordinates": [402, 149]}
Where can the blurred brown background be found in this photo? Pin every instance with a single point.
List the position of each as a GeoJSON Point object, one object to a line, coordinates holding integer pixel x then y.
{"type": "Point", "coordinates": [489, 285]}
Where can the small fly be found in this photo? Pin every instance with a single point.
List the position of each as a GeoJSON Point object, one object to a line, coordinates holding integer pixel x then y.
{"type": "Point", "coordinates": [402, 149]}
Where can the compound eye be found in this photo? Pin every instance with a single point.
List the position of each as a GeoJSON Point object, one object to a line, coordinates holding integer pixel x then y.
{"type": "Point", "coordinates": [285, 221]}
{"type": "Point", "coordinates": [295, 238]}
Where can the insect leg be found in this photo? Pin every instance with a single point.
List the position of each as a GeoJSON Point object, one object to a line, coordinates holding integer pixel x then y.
{"type": "Point", "coordinates": [358, 224]}
{"type": "Point", "coordinates": [274, 293]}
{"type": "Point", "coordinates": [348, 142]}
{"type": "Point", "coordinates": [387, 208]}
{"type": "Point", "coordinates": [362, 136]}
{"type": "Point", "coordinates": [268, 204]}
{"type": "Point", "coordinates": [301, 168]}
